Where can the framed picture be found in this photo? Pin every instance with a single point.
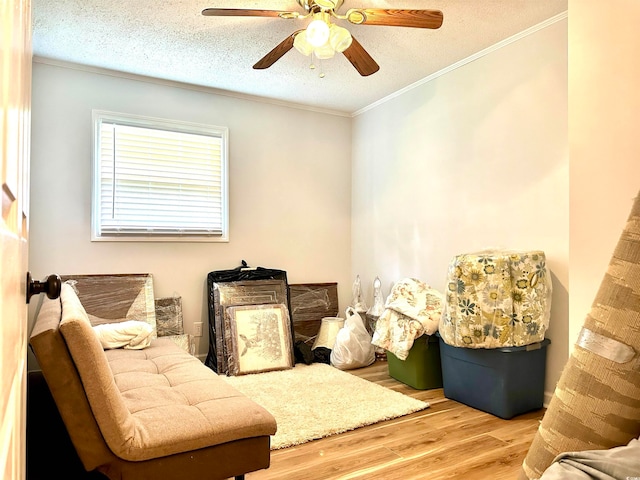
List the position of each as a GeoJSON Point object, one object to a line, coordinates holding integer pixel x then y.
{"type": "Point", "coordinates": [252, 292]}
{"type": "Point", "coordinates": [310, 303]}
{"type": "Point", "coordinates": [111, 298]}
{"type": "Point", "coordinates": [260, 339]}
{"type": "Point", "coordinates": [245, 292]}
{"type": "Point", "coordinates": [169, 316]}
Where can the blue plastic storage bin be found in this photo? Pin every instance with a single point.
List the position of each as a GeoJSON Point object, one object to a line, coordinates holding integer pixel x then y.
{"type": "Point", "coordinates": [505, 381]}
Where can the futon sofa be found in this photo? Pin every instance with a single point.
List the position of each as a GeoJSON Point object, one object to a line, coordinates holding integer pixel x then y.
{"type": "Point", "coordinates": [152, 413]}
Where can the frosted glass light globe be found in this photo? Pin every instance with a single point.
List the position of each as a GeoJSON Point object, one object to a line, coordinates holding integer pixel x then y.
{"type": "Point", "coordinates": [302, 45]}
{"type": "Point", "coordinates": [340, 38]}
{"type": "Point", "coordinates": [324, 52]}
{"type": "Point", "coordinates": [317, 33]}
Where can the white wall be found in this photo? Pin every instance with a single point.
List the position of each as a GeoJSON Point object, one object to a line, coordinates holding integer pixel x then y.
{"type": "Point", "coordinates": [290, 191]}
{"type": "Point", "coordinates": [604, 107]}
{"type": "Point", "coordinates": [473, 159]}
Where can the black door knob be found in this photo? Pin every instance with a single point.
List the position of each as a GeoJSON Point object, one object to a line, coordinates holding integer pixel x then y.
{"type": "Point", "coordinates": [51, 286]}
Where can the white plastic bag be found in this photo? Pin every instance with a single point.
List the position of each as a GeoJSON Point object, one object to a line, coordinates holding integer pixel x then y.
{"type": "Point", "coordinates": [352, 348]}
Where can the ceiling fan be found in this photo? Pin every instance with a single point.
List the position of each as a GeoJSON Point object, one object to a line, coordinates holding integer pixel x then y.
{"type": "Point", "coordinates": [323, 38]}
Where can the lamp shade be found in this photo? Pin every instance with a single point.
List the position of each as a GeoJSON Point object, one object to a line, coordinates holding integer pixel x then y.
{"type": "Point", "coordinates": [329, 328]}
{"type": "Point", "coordinates": [324, 52]}
{"type": "Point", "coordinates": [301, 44]}
{"type": "Point", "coordinates": [318, 33]}
{"type": "Point", "coordinates": [339, 38]}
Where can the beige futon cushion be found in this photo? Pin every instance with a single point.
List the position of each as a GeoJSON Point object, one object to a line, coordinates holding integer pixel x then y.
{"type": "Point", "coordinates": [157, 401]}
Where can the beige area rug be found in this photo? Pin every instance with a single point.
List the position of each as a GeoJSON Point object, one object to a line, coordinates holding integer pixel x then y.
{"type": "Point", "coordinates": [318, 400]}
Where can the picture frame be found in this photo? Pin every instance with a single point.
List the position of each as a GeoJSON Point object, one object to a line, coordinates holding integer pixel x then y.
{"type": "Point", "coordinates": [113, 298]}
{"type": "Point", "coordinates": [238, 293]}
{"type": "Point", "coordinates": [217, 355]}
{"type": "Point", "coordinates": [169, 320]}
{"type": "Point", "coordinates": [310, 303]}
{"type": "Point", "coordinates": [260, 339]}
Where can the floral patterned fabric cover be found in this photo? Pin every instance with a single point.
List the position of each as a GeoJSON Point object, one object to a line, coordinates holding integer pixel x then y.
{"type": "Point", "coordinates": [496, 299]}
{"type": "Point", "coordinates": [412, 309]}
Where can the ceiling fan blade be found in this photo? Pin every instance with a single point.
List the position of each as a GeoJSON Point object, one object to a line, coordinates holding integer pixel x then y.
{"type": "Point", "coordinates": [274, 55]}
{"type": "Point", "coordinates": [396, 18]}
{"type": "Point", "coordinates": [242, 12]}
{"type": "Point", "coordinates": [360, 59]}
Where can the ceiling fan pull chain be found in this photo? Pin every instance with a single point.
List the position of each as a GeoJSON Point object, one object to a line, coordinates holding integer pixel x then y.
{"type": "Point", "coordinates": [312, 66]}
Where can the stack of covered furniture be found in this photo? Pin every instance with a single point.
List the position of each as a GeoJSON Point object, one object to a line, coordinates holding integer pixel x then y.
{"type": "Point", "coordinates": [259, 322]}
{"type": "Point", "coordinates": [492, 330]}
{"type": "Point", "coordinates": [148, 413]}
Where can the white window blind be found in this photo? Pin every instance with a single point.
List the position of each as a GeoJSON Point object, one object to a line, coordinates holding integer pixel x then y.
{"type": "Point", "coordinates": [157, 179]}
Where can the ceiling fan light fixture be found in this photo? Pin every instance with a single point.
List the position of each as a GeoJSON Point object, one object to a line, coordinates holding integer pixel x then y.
{"type": "Point", "coordinates": [317, 33]}
{"type": "Point", "coordinates": [301, 44]}
{"type": "Point", "coordinates": [339, 38]}
{"type": "Point", "coordinates": [324, 52]}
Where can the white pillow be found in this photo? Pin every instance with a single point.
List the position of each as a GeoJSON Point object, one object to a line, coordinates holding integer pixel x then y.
{"type": "Point", "coordinates": [130, 334]}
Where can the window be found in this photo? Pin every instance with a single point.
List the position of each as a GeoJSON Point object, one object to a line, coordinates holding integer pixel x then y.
{"type": "Point", "coordinates": [158, 180]}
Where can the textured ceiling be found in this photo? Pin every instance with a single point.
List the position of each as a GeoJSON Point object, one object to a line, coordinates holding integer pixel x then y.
{"type": "Point", "coordinates": [170, 39]}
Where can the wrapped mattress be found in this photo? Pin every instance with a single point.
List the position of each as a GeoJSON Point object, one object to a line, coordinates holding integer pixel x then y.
{"type": "Point", "coordinates": [496, 298]}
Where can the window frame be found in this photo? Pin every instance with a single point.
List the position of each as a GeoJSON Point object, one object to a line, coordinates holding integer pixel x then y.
{"type": "Point", "coordinates": [98, 117]}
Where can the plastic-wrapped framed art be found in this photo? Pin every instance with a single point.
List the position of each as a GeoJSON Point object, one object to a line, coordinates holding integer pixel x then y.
{"type": "Point", "coordinates": [260, 339]}
{"type": "Point", "coordinates": [217, 356]}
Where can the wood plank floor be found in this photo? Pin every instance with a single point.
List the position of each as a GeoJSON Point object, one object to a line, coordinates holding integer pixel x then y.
{"type": "Point", "coordinates": [448, 440]}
